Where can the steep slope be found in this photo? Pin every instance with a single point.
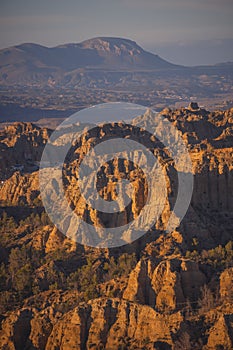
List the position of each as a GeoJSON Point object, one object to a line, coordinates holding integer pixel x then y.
{"type": "Point", "coordinates": [209, 139]}
{"type": "Point", "coordinates": [175, 290]}
{"type": "Point", "coordinates": [124, 53]}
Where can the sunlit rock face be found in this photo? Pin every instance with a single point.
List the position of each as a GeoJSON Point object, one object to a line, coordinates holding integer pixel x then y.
{"type": "Point", "coordinates": [156, 305]}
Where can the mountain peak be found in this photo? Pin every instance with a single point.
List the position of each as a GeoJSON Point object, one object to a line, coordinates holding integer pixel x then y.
{"type": "Point", "coordinates": [123, 53]}
{"type": "Point", "coordinates": [112, 44]}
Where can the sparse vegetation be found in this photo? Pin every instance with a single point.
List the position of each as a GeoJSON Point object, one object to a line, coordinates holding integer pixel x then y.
{"type": "Point", "coordinates": [221, 256]}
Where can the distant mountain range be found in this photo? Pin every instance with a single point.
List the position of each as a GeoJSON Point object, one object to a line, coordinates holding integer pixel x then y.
{"type": "Point", "coordinates": [97, 62]}
{"type": "Point", "coordinates": [34, 62]}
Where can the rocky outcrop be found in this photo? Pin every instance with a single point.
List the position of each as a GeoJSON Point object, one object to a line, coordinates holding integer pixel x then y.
{"type": "Point", "coordinates": [21, 144]}
{"type": "Point", "coordinates": [166, 285]}
{"type": "Point", "coordinates": [106, 323]}
{"type": "Point", "coordinates": [220, 335]}
{"type": "Point", "coordinates": [15, 330]}
{"type": "Point", "coordinates": [112, 323]}
{"type": "Point", "coordinates": [20, 189]}
{"type": "Point", "coordinates": [226, 284]}
{"type": "Point", "coordinates": [60, 321]}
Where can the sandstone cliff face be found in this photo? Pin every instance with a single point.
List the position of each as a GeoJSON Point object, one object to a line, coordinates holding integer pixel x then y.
{"type": "Point", "coordinates": [19, 143]}
{"type": "Point", "coordinates": [226, 283]}
{"type": "Point", "coordinates": [166, 285]}
{"type": "Point", "coordinates": [116, 323]}
{"type": "Point", "coordinates": [101, 323]}
{"type": "Point", "coordinates": [30, 327]}
{"type": "Point", "coordinates": [221, 333]}
{"type": "Point", "coordinates": [15, 330]}
{"type": "Point", "coordinates": [20, 189]}
{"type": "Point", "coordinates": [108, 323]}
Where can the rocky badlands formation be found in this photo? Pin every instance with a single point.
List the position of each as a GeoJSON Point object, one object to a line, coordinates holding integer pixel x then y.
{"type": "Point", "coordinates": [163, 291]}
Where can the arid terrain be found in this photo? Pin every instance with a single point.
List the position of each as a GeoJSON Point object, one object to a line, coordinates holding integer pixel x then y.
{"type": "Point", "coordinates": [163, 291]}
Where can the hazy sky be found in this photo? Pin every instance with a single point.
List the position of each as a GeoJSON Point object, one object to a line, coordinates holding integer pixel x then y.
{"type": "Point", "coordinates": [168, 27]}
